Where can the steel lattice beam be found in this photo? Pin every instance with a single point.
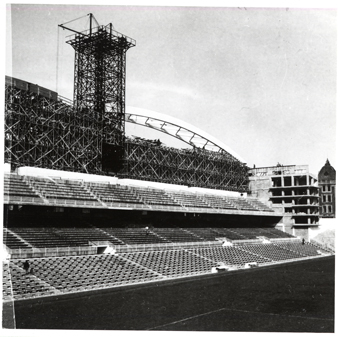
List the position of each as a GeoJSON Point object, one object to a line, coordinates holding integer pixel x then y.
{"type": "Point", "coordinates": [198, 167]}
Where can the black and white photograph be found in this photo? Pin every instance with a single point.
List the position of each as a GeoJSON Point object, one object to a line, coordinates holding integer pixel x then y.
{"type": "Point", "coordinates": [169, 168]}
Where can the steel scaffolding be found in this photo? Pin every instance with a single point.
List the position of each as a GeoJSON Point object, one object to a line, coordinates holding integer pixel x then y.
{"type": "Point", "coordinates": [44, 130]}
{"type": "Point", "coordinates": [99, 79]}
{"type": "Point", "coordinates": [192, 167]}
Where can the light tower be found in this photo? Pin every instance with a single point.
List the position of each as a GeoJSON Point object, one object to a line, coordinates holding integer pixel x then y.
{"type": "Point", "coordinates": [99, 90]}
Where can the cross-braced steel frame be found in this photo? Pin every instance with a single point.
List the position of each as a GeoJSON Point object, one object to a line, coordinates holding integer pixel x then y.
{"type": "Point", "coordinates": [43, 131]}
{"type": "Point", "coordinates": [99, 79]}
{"type": "Point", "coordinates": [192, 167]}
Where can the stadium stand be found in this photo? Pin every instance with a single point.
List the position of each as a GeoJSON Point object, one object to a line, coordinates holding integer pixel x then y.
{"type": "Point", "coordinates": [229, 255]}
{"type": "Point", "coordinates": [241, 203]}
{"type": "Point", "coordinates": [63, 192]}
{"type": "Point", "coordinates": [274, 253]}
{"type": "Point", "coordinates": [14, 241]}
{"type": "Point", "coordinates": [172, 263]}
{"type": "Point", "coordinates": [67, 274]}
{"type": "Point", "coordinates": [176, 235]}
{"type": "Point", "coordinates": [154, 196]}
{"type": "Point", "coordinates": [114, 194]}
{"type": "Point", "coordinates": [17, 190]}
{"type": "Point", "coordinates": [187, 199]}
{"type": "Point", "coordinates": [134, 236]}
{"type": "Point", "coordinates": [217, 201]}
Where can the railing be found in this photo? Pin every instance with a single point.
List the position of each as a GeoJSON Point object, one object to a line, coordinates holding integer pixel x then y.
{"type": "Point", "coordinates": [50, 252]}
{"type": "Point", "coordinates": [61, 202]}
{"type": "Point", "coordinates": [14, 198]}
{"type": "Point", "coordinates": [165, 246]}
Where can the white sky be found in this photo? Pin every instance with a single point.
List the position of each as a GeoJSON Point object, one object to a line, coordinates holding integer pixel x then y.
{"type": "Point", "coordinates": [263, 81]}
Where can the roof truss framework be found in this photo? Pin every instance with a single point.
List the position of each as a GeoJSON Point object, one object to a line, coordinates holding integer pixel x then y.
{"type": "Point", "coordinates": [200, 168]}
{"type": "Point", "coordinates": [45, 132]}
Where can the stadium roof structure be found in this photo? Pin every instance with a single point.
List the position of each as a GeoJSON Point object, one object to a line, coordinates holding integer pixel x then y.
{"type": "Point", "coordinates": [177, 128]}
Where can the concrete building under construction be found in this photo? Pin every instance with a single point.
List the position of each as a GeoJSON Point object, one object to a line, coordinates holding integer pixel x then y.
{"type": "Point", "coordinates": [292, 190]}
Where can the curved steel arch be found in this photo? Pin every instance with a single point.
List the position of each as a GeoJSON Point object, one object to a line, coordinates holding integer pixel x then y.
{"type": "Point", "coordinates": [178, 129]}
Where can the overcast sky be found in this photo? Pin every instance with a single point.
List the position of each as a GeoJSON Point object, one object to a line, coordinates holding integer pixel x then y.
{"type": "Point", "coordinates": [263, 81]}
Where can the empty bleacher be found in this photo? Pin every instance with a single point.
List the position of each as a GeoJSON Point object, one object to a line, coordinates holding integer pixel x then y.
{"type": "Point", "coordinates": [81, 234]}
{"type": "Point", "coordinates": [134, 236]}
{"type": "Point", "coordinates": [187, 199]}
{"type": "Point", "coordinates": [229, 255]}
{"type": "Point", "coordinates": [208, 234]}
{"type": "Point", "coordinates": [69, 274]}
{"type": "Point", "coordinates": [114, 194]}
{"type": "Point", "coordinates": [270, 251]}
{"type": "Point", "coordinates": [56, 275]}
{"type": "Point", "coordinates": [70, 192]}
{"type": "Point", "coordinates": [177, 235]}
{"type": "Point", "coordinates": [14, 242]}
{"type": "Point", "coordinates": [217, 201]}
{"type": "Point", "coordinates": [44, 237]}
{"type": "Point", "coordinates": [152, 196]}
{"type": "Point", "coordinates": [306, 249]}
{"type": "Point", "coordinates": [242, 204]}
{"type": "Point", "coordinates": [63, 192]}
{"type": "Point", "coordinates": [17, 190]}
{"type": "Point", "coordinates": [274, 233]}
{"type": "Point", "coordinates": [171, 263]}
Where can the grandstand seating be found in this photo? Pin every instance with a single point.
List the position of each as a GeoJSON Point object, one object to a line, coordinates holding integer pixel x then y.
{"type": "Point", "coordinates": [229, 255]}
{"type": "Point", "coordinates": [17, 190]}
{"type": "Point", "coordinates": [274, 233]}
{"type": "Point", "coordinates": [113, 194]}
{"type": "Point", "coordinates": [217, 201]}
{"type": "Point", "coordinates": [64, 192]}
{"type": "Point", "coordinates": [171, 263]}
{"type": "Point", "coordinates": [177, 235]}
{"type": "Point", "coordinates": [242, 204]}
{"type": "Point", "coordinates": [154, 196]}
{"type": "Point", "coordinates": [6, 282]}
{"type": "Point", "coordinates": [69, 274]}
{"type": "Point", "coordinates": [14, 242]}
{"type": "Point", "coordinates": [63, 235]}
{"type": "Point", "coordinates": [187, 199]}
{"type": "Point", "coordinates": [228, 233]}
{"type": "Point", "coordinates": [56, 275]}
{"type": "Point", "coordinates": [68, 192]}
{"type": "Point", "coordinates": [134, 236]}
{"type": "Point", "coordinates": [42, 237]}
{"type": "Point", "coordinates": [272, 252]}
{"type": "Point", "coordinates": [302, 249]}
{"type": "Point", "coordinates": [208, 234]}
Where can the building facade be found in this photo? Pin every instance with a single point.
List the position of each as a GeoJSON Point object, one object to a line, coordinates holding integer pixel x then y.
{"type": "Point", "coordinates": [327, 183]}
{"type": "Point", "coordinates": [290, 189]}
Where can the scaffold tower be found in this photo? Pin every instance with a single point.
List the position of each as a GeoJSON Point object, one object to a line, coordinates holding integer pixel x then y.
{"type": "Point", "coordinates": [99, 85]}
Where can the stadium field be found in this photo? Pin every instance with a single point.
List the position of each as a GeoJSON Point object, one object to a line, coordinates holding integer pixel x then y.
{"type": "Point", "coordinates": [288, 297]}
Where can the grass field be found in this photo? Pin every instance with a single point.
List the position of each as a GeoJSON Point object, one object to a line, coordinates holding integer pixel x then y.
{"type": "Point", "coordinates": [290, 297]}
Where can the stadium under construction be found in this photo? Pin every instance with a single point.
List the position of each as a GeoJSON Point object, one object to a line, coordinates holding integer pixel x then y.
{"type": "Point", "coordinates": [79, 194]}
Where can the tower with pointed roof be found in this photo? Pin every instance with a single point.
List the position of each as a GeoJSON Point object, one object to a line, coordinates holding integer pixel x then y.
{"type": "Point", "coordinates": [327, 183]}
